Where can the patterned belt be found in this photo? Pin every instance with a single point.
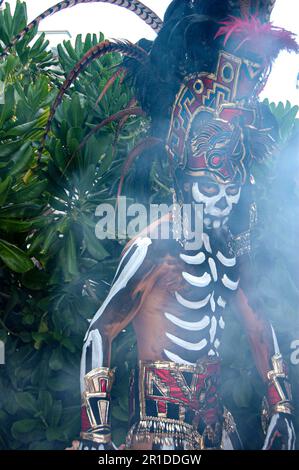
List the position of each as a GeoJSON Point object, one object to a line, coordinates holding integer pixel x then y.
{"type": "Point", "coordinates": [178, 402]}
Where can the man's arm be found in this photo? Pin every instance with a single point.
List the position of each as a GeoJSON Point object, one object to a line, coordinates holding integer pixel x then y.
{"type": "Point", "coordinates": [269, 363]}
{"type": "Point", "coordinates": [118, 310]}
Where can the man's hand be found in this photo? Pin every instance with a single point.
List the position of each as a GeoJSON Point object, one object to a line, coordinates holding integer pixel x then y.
{"type": "Point", "coordinates": [90, 445]}
{"type": "Point", "coordinates": [77, 445]}
{"type": "Point", "coordinates": [281, 434]}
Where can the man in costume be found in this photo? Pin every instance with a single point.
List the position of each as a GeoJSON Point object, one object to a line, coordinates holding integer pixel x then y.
{"type": "Point", "coordinates": [175, 298]}
{"type": "Point", "coordinates": [199, 82]}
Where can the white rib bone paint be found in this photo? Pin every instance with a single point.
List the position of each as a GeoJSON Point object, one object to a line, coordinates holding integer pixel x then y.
{"type": "Point", "coordinates": [217, 343]}
{"type": "Point", "coordinates": [190, 326]}
{"type": "Point", "coordinates": [213, 269]}
{"type": "Point", "coordinates": [128, 272]}
{"type": "Point", "coordinates": [228, 262]}
{"type": "Point", "coordinates": [199, 258]}
{"type": "Point", "coordinates": [211, 353]}
{"type": "Point", "coordinates": [190, 304]}
{"type": "Point", "coordinates": [222, 323]}
{"type": "Point", "coordinates": [186, 345]}
{"type": "Point", "coordinates": [177, 359]}
{"type": "Point", "coordinates": [227, 282]}
{"type": "Point", "coordinates": [197, 281]}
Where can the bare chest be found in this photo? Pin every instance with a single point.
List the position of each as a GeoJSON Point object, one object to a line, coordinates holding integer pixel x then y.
{"type": "Point", "coordinates": [190, 299]}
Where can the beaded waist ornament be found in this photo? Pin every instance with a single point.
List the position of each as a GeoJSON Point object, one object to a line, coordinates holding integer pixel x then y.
{"type": "Point", "coordinates": [173, 404]}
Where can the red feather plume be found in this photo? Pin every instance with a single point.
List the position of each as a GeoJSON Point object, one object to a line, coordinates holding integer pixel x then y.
{"type": "Point", "coordinates": [249, 34]}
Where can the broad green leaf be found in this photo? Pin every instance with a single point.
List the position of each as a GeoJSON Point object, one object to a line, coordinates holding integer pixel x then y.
{"type": "Point", "coordinates": [22, 159]}
{"type": "Point", "coordinates": [7, 109]}
{"type": "Point", "coordinates": [4, 190]}
{"type": "Point", "coordinates": [26, 401]}
{"type": "Point", "coordinates": [14, 258]}
{"type": "Point", "coordinates": [23, 426]}
{"type": "Point", "coordinates": [93, 245]}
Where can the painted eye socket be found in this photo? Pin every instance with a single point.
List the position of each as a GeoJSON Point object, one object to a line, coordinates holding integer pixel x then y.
{"type": "Point", "coordinates": [232, 190]}
{"type": "Point", "coordinates": [209, 189]}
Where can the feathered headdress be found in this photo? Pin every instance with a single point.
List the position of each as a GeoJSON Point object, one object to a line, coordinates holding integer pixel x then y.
{"type": "Point", "coordinates": [217, 124]}
{"type": "Point", "coordinates": [199, 81]}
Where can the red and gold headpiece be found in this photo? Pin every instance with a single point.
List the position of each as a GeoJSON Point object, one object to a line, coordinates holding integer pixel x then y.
{"type": "Point", "coordinates": [215, 114]}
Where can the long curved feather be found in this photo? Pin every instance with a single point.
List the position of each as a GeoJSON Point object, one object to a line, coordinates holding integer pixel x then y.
{"type": "Point", "coordinates": [141, 10]}
{"type": "Point", "coordinates": [260, 8]}
{"type": "Point", "coordinates": [136, 111]}
{"type": "Point", "coordinates": [110, 82]}
{"type": "Point", "coordinates": [145, 144]}
{"type": "Point", "coordinates": [250, 32]}
{"type": "Point", "coordinates": [101, 49]}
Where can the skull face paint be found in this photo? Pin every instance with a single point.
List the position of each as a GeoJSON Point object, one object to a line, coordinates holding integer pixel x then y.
{"type": "Point", "coordinates": [218, 200]}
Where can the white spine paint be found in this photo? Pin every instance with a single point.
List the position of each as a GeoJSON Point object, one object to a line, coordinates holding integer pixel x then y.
{"type": "Point", "coordinates": [213, 329]}
{"type": "Point", "coordinates": [206, 242]}
{"type": "Point", "coordinates": [221, 302]}
{"type": "Point", "coordinates": [213, 269]}
{"type": "Point", "coordinates": [212, 302]}
{"type": "Point", "coordinates": [211, 353]}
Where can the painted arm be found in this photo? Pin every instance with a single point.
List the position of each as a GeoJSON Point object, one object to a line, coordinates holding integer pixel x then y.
{"type": "Point", "coordinates": [118, 310]}
{"type": "Point", "coordinates": [270, 364]}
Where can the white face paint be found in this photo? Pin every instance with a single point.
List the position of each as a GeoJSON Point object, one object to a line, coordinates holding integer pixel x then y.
{"type": "Point", "coordinates": [218, 200]}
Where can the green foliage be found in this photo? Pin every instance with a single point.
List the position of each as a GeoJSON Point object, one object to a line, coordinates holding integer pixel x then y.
{"type": "Point", "coordinates": [54, 273]}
